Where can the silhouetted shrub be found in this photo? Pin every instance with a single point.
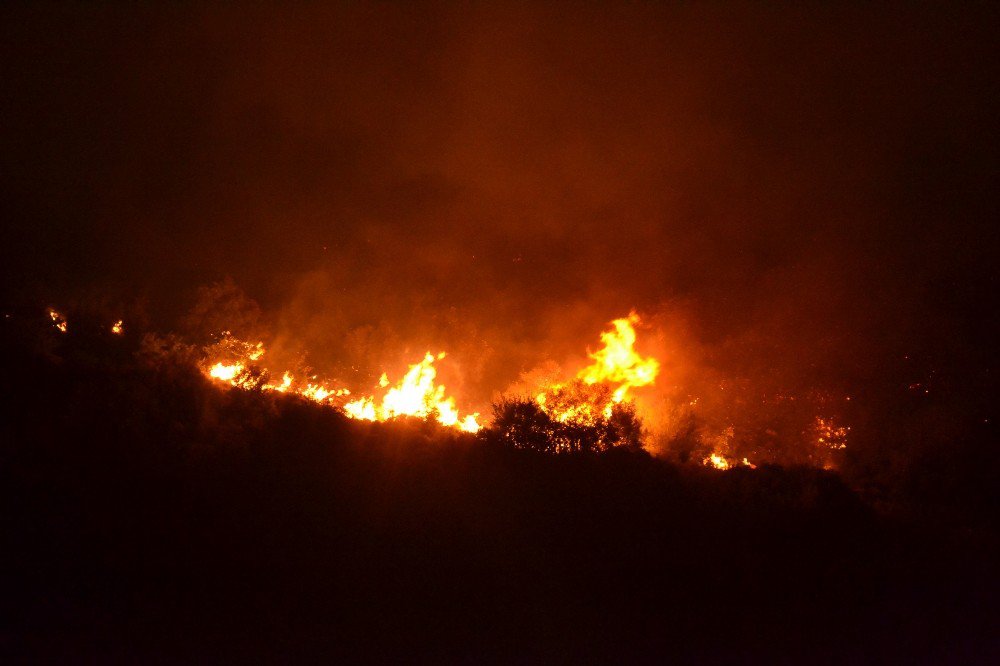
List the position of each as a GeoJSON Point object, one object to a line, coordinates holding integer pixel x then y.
{"type": "Point", "coordinates": [522, 423]}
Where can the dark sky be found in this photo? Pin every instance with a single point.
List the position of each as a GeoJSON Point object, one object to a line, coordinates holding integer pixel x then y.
{"type": "Point", "coordinates": [822, 178]}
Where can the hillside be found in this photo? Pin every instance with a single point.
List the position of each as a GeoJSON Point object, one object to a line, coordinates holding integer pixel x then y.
{"type": "Point", "coordinates": [153, 517]}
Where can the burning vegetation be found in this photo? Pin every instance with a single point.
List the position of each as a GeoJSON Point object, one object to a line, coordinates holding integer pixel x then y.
{"type": "Point", "coordinates": [590, 409]}
{"type": "Point", "coordinates": [615, 399]}
{"type": "Point", "coordinates": [590, 401]}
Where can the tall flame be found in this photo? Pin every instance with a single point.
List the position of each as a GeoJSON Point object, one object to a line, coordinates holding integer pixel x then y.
{"type": "Point", "coordinates": [618, 363]}
{"type": "Point", "coordinates": [616, 369]}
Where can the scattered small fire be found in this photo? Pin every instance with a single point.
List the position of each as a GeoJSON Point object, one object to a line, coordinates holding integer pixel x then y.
{"type": "Point", "coordinates": [118, 328]}
{"type": "Point", "coordinates": [719, 461]}
{"type": "Point", "coordinates": [829, 434]}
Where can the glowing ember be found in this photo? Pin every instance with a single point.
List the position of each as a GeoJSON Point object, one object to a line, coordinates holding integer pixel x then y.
{"type": "Point", "coordinates": [118, 328]}
{"type": "Point", "coordinates": [829, 434]}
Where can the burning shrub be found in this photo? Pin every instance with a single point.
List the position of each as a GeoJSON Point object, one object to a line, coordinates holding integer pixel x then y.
{"type": "Point", "coordinates": [522, 423]}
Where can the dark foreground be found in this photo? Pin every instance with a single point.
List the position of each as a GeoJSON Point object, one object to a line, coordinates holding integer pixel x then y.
{"type": "Point", "coordinates": [151, 518]}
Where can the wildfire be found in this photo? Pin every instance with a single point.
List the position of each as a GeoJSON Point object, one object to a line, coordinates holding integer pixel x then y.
{"type": "Point", "coordinates": [616, 368]}
{"type": "Point", "coordinates": [118, 328]}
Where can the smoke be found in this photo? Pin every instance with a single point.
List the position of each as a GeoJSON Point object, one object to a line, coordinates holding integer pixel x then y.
{"type": "Point", "coordinates": [793, 199]}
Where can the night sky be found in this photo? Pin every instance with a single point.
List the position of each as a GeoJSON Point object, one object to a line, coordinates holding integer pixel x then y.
{"type": "Point", "coordinates": [803, 180]}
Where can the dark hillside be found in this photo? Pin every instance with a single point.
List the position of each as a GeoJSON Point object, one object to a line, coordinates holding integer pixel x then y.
{"type": "Point", "coordinates": [152, 518]}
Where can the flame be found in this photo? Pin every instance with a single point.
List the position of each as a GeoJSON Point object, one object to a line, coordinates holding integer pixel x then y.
{"type": "Point", "coordinates": [58, 321]}
{"type": "Point", "coordinates": [362, 408]}
{"type": "Point", "coordinates": [226, 373]}
{"type": "Point", "coordinates": [616, 369]}
{"type": "Point", "coordinates": [717, 461]}
{"type": "Point", "coordinates": [118, 328]}
{"type": "Point", "coordinates": [416, 394]}
{"type": "Point", "coordinates": [618, 363]}
{"type": "Point", "coordinates": [286, 383]}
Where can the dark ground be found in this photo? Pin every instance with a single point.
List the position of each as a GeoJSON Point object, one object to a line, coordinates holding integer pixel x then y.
{"type": "Point", "coordinates": [149, 517]}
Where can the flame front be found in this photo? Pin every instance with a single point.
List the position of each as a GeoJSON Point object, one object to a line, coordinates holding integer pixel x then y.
{"type": "Point", "coordinates": [416, 394]}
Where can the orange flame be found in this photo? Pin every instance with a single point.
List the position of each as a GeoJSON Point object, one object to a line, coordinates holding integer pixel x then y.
{"type": "Point", "coordinates": [58, 321]}
{"type": "Point", "coordinates": [616, 368]}
{"type": "Point", "coordinates": [717, 461]}
{"type": "Point", "coordinates": [618, 363]}
{"type": "Point", "coordinates": [416, 394]}
{"type": "Point", "coordinates": [226, 373]}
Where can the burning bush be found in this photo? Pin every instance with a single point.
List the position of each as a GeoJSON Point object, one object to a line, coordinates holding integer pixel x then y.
{"type": "Point", "coordinates": [523, 423]}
